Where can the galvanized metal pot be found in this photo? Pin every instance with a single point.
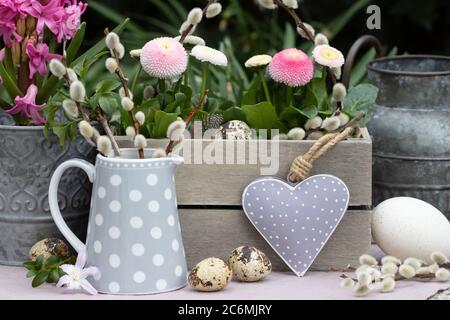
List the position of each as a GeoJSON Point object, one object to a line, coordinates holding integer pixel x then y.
{"type": "Point", "coordinates": [411, 129]}
{"type": "Point", "coordinates": [27, 162]}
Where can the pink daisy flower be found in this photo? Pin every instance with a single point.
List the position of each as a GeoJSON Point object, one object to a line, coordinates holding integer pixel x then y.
{"type": "Point", "coordinates": [164, 58]}
{"type": "Point", "coordinates": [291, 67]}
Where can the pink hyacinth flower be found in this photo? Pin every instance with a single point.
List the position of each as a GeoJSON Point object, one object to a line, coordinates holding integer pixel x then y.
{"type": "Point", "coordinates": [291, 67]}
{"type": "Point", "coordinates": [39, 56]}
{"type": "Point", "coordinates": [26, 106]}
{"type": "Point", "coordinates": [71, 20]}
{"type": "Point", "coordinates": [164, 58]}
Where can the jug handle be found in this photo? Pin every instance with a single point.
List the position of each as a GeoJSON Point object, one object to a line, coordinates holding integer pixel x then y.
{"type": "Point", "coordinates": [76, 243]}
{"type": "Point", "coordinates": [354, 51]}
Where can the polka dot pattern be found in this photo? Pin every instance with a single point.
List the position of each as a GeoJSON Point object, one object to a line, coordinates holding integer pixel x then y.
{"type": "Point", "coordinates": [297, 221]}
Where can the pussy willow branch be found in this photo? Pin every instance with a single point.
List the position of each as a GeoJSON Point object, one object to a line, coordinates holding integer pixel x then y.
{"type": "Point", "coordinates": [171, 144]}
{"type": "Point", "coordinates": [101, 118]}
{"type": "Point", "coordinates": [189, 28]}
{"type": "Point", "coordinates": [426, 276]}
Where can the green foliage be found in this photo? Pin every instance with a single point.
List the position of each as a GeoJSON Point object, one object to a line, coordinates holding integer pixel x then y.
{"type": "Point", "coordinates": [46, 270]}
{"type": "Point", "coordinates": [360, 99]}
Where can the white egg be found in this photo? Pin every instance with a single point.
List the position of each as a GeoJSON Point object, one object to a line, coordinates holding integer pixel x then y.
{"type": "Point", "coordinates": [407, 227]}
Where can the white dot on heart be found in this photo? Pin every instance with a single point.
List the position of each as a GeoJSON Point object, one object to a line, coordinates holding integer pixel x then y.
{"type": "Point", "coordinates": [156, 233]}
{"type": "Point", "coordinates": [115, 206]}
{"type": "Point", "coordinates": [135, 195]}
{"type": "Point", "coordinates": [114, 261]}
{"type": "Point", "coordinates": [101, 192]}
{"type": "Point", "coordinates": [136, 222]}
{"type": "Point", "coordinates": [158, 260]}
{"type": "Point", "coordinates": [115, 180]}
{"type": "Point", "coordinates": [152, 179]}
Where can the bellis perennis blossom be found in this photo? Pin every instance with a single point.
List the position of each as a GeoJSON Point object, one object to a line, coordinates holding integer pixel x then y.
{"type": "Point", "coordinates": [26, 106]}
{"type": "Point", "coordinates": [291, 67]}
{"type": "Point", "coordinates": [164, 58]}
{"type": "Point", "coordinates": [76, 275]}
{"type": "Point", "coordinates": [328, 56]}
{"type": "Point", "coordinates": [210, 55]}
{"type": "Point", "coordinates": [39, 56]}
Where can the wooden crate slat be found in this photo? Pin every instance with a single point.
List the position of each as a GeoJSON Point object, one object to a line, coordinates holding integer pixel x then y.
{"type": "Point", "coordinates": [216, 233]}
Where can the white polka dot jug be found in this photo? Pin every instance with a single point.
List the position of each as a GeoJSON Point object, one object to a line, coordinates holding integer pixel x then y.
{"type": "Point", "coordinates": [134, 235]}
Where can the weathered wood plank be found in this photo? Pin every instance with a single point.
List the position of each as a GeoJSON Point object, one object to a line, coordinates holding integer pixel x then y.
{"type": "Point", "coordinates": [222, 184]}
{"type": "Point", "coordinates": [216, 233]}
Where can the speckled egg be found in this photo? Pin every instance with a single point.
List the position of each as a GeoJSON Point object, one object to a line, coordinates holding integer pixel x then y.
{"type": "Point", "coordinates": [49, 247]}
{"type": "Point", "coordinates": [237, 130]}
{"type": "Point", "coordinates": [249, 264]}
{"type": "Point", "coordinates": [211, 274]}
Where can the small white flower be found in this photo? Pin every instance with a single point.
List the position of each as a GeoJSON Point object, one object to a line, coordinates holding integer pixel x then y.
{"type": "Point", "coordinates": [86, 130]}
{"type": "Point", "coordinates": [331, 124]}
{"type": "Point", "coordinates": [111, 65]}
{"type": "Point", "coordinates": [127, 104]}
{"type": "Point", "coordinates": [392, 259]}
{"type": "Point", "coordinates": [176, 130]}
{"type": "Point", "coordinates": [315, 135]}
{"type": "Point", "coordinates": [104, 146]}
{"type": "Point", "coordinates": [367, 259]}
{"type": "Point", "coordinates": [328, 56]}
{"type": "Point", "coordinates": [140, 117]}
{"type": "Point", "coordinates": [442, 274]}
{"type": "Point", "coordinates": [310, 29]}
{"type": "Point", "coordinates": [57, 68]}
{"type": "Point", "coordinates": [388, 284]}
{"type": "Point", "coordinates": [131, 133]}
{"type": "Point", "coordinates": [213, 10]}
{"type": "Point", "coordinates": [313, 123]}
{"type": "Point", "coordinates": [292, 4]}
{"type": "Point", "coordinates": [268, 4]}
{"type": "Point", "coordinates": [191, 40]}
{"type": "Point", "coordinates": [258, 61]}
{"type": "Point", "coordinates": [320, 39]}
{"type": "Point", "coordinates": [71, 74]}
{"type": "Point", "coordinates": [361, 290]}
{"type": "Point", "coordinates": [77, 91]}
{"type": "Point", "coordinates": [347, 283]}
{"type": "Point", "coordinates": [140, 142]}
{"type": "Point", "coordinates": [112, 40]}
{"type": "Point", "coordinates": [159, 153]}
{"type": "Point", "coordinates": [70, 108]}
{"type": "Point", "coordinates": [135, 53]}
{"type": "Point", "coordinates": [210, 55]}
{"type": "Point", "coordinates": [407, 271]}
{"type": "Point", "coordinates": [439, 257]}
{"type": "Point", "coordinates": [343, 119]}
{"type": "Point", "coordinates": [195, 16]}
{"type": "Point", "coordinates": [339, 92]}
{"type": "Point", "coordinates": [296, 134]}
{"type": "Point", "coordinates": [76, 275]}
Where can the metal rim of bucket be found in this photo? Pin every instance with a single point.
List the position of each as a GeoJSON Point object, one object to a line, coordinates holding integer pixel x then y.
{"type": "Point", "coordinates": [409, 73]}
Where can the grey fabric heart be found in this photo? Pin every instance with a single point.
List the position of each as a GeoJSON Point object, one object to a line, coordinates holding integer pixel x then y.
{"type": "Point", "coordinates": [297, 221]}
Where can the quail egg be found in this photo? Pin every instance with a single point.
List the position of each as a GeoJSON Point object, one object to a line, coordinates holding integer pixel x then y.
{"type": "Point", "coordinates": [211, 274]}
{"type": "Point", "coordinates": [237, 130]}
{"type": "Point", "coordinates": [249, 264]}
{"type": "Point", "coordinates": [49, 247]}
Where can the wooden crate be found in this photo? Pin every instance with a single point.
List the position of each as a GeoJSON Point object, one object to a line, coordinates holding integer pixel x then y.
{"type": "Point", "coordinates": [209, 198]}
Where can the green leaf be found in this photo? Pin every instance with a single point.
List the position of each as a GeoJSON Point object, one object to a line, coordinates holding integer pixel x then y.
{"type": "Point", "coordinates": [39, 262]}
{"type": "Point", "coordinates": [65, 132]}
{"type": "Point", "coordinates": [9, 84]}
{"type": "Point", "coordinates": [263, 116]}
{"type": "Point", "coordinates": [289, 36]}
{"type": "Point", "coordinates": [76, 43]}
{"type": "Point", "coordinates": [29, 265]}
{"type": "Point", "coordinates": [361, 99]}
{"type": "Point", "coordinates": [108, 103]}
{"type": "Point", "coordinates": [54, 276]}
{"type": "Point", "coordinates": [180, 98]}
{"type": "Point", "coordinates": [162, 122]}
{"type": "Point", "coordinates": [39, 279]}
{"type": "Point", "coordinates": [316, 93]}
{"type": "Point", "coordinates": [113, 15]}
{"type": "Point", "coordinates": [107, 86]}
{"type": "Point", "coordinates": [234, 113]}
{"type": "Point", "coordinates": [52, 262]}
{"type": "Point", "coordinates": [250, 96]}
{"type": "Point", "coordinates": [87, 64]}
{"type": "Point", "coordinates": [32, 273]}
{"type": "Point", "coordinates": [309, 112]}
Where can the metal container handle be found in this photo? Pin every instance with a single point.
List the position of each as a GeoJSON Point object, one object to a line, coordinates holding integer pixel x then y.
{"type": "Point", "coordinates": [354, 51]}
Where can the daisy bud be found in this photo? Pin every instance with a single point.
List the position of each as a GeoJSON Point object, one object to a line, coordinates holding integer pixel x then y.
{"type": "Point", "coordinates": [268, 4]}
{"type": "Point", "coordinates": [70, 108]}
{"type": "Point", "coordinates": [296, 134]}
{"type": "Point", "coordinates": [131, 133]}
{"type": "Point", "coordinates": [213, 10]}
{"type": "Point", "coordinates": [292, 4]}
{"type": "Point", "coordinates": [120, 50]}
{"type": "Point", "coordinates": [136, 53]}
{"type": "Point", "coordinates": [159, 153]}
{"type": "Point", "coordinates": [389, 268]}
{"type": "Point", "coordinates": [302, 32]}
{"type": "Point", "coordinates": [149, 92]}
{"type": "Point", "coordinates": [331, 124]}
{"type": "Point", "coordinates": [337, 72]}
{"type": "Point", "coordinates": [343, 119]}
{"type": "Point", "coordinates": [442, 274]}
{"type": "Point", "coordinates": [86, 130]}
{"type": "Point", "coordinates": [104, 145]}
{"type": "Point", "coordinates": [407, 271]}
{"type": "Point", "coordinates": [392, 259]}
{"type": "Point", "coordinates": [140, 142]}
{"type": "Point", "coordinates": [313, 123]}
{"type": "Point", "coordinates": [77, 91]}
{"type": "Point", "coordinates": [258, 61]}
{"type": "Point", "coordinates": [71, 74]}
{"type": "Point", "coordinates": [140, 117]}
{"type": "Point", "coordinates": [347, 283]}
{"type": "Point", "coordinates": [112, 40]}
{"type": "Point", "coordinates": [175, 130]}
{"type": "Point", "coordinates": [111, 65]}
{"type": "Point", "coordinates": [315, 136]}
{"type": "Point", "coordinates": [433, 268]}
{"type": "Point", "coordinates": [127, 104]}
{"type": "Point", "coordinates": [439, 257]}
{"type": "Point", "coordinates": [57, 68]}
{"type": "Point", "coordinates": [367, 259]}
{"type": "Point", "coordinates": [320, 39]}
{"type": "Point", "coordinates": [413, 262]}
{"type": "Point", "coordinates": [361, 290]}
{"type": "Point", "coordinates": [388, 284]}
{"type": "Point", "coordinates": [339, 92]}
{"type": "Point", "coordinates": [195, 16]}
{"type": "Point", "coordinates": [364, 278]}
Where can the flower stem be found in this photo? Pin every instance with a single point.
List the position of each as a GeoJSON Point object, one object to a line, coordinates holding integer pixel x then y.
{"type": "Point", "coordinates": [104, 123]}
{"type": "Point", "coordinates": [264, 83]}
{"type": "Point", "coordinates": [188, 30]}
{"type": "Point", "coordinates": [136, 78]}
{"type": "Point", "coordinates": [162, 85]}
{"type": "Point", "coordinates": [205, 77]}
{"type": "Point", "coordinates": [289, 96]}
